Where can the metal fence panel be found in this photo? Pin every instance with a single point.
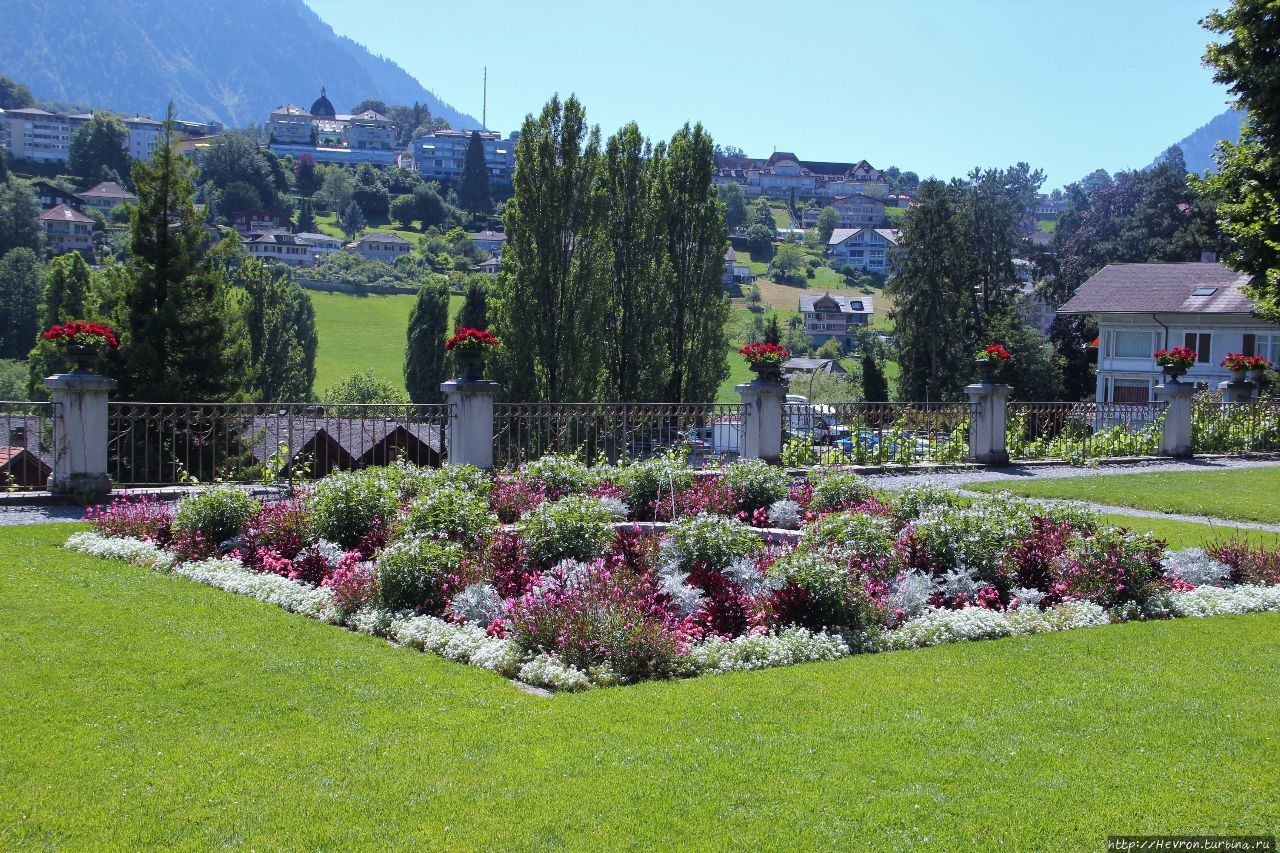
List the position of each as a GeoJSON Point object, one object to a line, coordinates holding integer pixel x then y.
{"type": "Point", "coordinates": [875, 433]}
{"type": "Point", "coordinates": [1078, 431]}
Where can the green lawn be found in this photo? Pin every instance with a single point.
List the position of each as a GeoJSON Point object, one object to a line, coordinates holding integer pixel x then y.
{"type": "Point", "coordinates": [1048, 226]}
{"type": "Point", "coordinates": [328, 224]}
{"type": "Point", "coordinates": [140, 710]}
{"type": "Point", "coordinates": [360, 333]}
{"type": "Point", "coordinates": [1186, 534]}
{"type": "Point", "coordinates": [1251, 494]}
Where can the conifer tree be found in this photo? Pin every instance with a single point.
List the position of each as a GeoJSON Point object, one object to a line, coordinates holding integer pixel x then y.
{"type": "Point", "coordinates": [473, 187]}
{"type": "Point", "coordinates": [352, 221]}
{"type": "Point", "coordinates": [875, 388]}
{"type": "Point", "coordinates": [19, 302]}
{"type": "Point", "coordinates": [474, 312]}
{"type": "Point", "coordinates": [182, 338]}
{"type": "Point", "coordinates": [424, 355]}
{"type": "Point", "coordinates": [306, 217]}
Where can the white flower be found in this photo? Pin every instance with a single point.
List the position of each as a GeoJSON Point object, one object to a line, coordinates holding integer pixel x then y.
{"type": "Point", "coordinates": [761, 651]}
{"type": "Point", "coordinates": [685, 598]}
{"type": "Point", "coordinates": [1027, 596]}
{"type": "Point", "coordinates": [550, 671]}
{"type": "Point", "coordinates": [1212, 600]}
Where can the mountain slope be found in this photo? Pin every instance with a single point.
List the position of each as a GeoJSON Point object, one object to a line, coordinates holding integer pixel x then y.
{"type": "Point", "coordinates": [1198, 146]}
{"type": "Point", "coordinates": [231, 60]}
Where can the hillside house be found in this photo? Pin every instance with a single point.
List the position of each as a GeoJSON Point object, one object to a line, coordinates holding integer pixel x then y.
{"type": "Point", "coordinates": [381, 246]}
{"type": "Point", "coordinates": [866, 249]}
{"type": "Point", "coordinates": [52, 196]}
{"type": "Point", "coordinates": [106, 195]}
{"type": "Point", "coordinates": [856, 211]}
{"type": "Point", "coordinates": [828, 317]}
{"type": "Point", "coordinates": [1141, 308]}
{"type": "Point", "coordinates": [66, 230]}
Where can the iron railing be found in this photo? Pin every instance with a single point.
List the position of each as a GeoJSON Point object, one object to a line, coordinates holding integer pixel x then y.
{"type": "Point", "coordinates": [1078, 431]}
{"type": "Point", "coordinates": [160, 444]}
{"type": "Point", "coordinates": [26, 445]}
{"type": "Point", "coordinates": [875, 433]}
{"type": "Point", "coordinates": [705, 432]}
{"type": "Point", "coordinates": [1218, 427]}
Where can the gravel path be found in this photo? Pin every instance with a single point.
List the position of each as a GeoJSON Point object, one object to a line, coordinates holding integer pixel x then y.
{"type": "Point", "coordinates": [13, 515]}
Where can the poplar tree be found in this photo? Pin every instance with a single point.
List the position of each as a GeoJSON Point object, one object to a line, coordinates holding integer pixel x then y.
{"type": "Point", "coordinates": [636, 366]}
{"type": "Point", "coordinates": [697, 307]}
{"type": "Point", "coordinates": [473, 186]}
{"type": "Point", "coordinates": [424, 354]}
{"type": "Point", "coordinates": [549, 304]}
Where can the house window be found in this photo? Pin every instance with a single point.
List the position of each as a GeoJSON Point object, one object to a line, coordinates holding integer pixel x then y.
{"type": "Point", "coordinates": [1130, 391]}
{"type": "Point", "coordinates": [1201, 343]}
{"type": "Point", "coordinates": [1130, 345]}
{"type": "Point", "coordinates": [1267, 346]}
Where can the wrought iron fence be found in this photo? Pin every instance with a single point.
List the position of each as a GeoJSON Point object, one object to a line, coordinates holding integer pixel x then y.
{"type": "Point", "coordinates": [705, 432]}
{"type": "Point", "coordinates": [26, 445]}
{"type": "Point", "coordinates": [159, 444]}
{"type": "Point", "coordinates": [1079, 431]}
{"type": "Point", "coordinates": [1218, 427]}
{"type": "Point", "coordinates": [875, 433]}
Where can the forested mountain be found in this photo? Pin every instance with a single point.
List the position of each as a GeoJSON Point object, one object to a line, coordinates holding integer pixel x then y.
{"type": "Point", "coordinates": [1197, 147]}
{"type": "Point", "coordinates": [230, 60]}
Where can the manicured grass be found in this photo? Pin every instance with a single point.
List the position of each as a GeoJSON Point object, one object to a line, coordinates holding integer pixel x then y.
{"type": "Point", "coordinates": [360, 333]}
{"type": "Point", "coordinates": [1251, 494]}
{"type": "Point", "coordinates": [1048, 226]}
{"type": "Point", "coordinates": [141, 711]}
{"type": "Point", "coordinates": [328, 224]}
{"type": "Point", "coordinates": [1186, 534]}
{"type": "Point", "coordinates": [895, 215]}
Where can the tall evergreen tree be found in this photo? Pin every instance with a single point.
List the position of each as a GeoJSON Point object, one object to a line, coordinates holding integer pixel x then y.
{"type": "Point", "coordinates": [473, 187]}
{"type": "Point", "coordinates": [993, 204]}
{"type": "Point", "coordinates": [635, 360]}
{"type": "Point", "coordinates": [693, 222]}
{"type": "Point", "coordinates": [4, 166]}
{"type": "Point", "coordinates": [424, 355]}
{"type": "Point", "coordinates": [549, 305]}
{"type": "Point", "coordinates": [306, 217]}
{"type": "Point", "coordinates": [932, 298]}
{"type": "Point", "coordinates": [183, 340]}
{"type": "Point", "coordinates": [735, 205]}
{"type": "Point", "coordinates": [18, 211]}
{"type": "Point", "coordinates": [352, 221]}
{"type": "Point", "coordinates": [772, 331]}
{"type": "Point", "coordinates": [875, 388]}
{"type": "Point", "coordinates": [65, 289]}
{"type": "Point", "coordinates": [474, 311]}
{"type": "Point", "coordinates": [19, 302]}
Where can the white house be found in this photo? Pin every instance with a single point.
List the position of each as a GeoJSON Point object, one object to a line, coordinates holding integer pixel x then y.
{"type": "Point", "coordinates": [319, 245]}
{"type": "Point", "coordinates": [838, 317]}
{"type": "Point", "coordinates": [381, 246]}
{"type": "Point", "coordinates": [279, 246]}
{"type": "Point", "coordinates": [862, 248]}
{"type": "Point", "coordinates": [1141, 308]}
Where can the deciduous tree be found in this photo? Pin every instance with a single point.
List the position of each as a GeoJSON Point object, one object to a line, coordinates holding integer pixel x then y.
{"type": "Point", "coordinates": [65, 290]}
{"type": "Point", "coordinates": [97, 146]}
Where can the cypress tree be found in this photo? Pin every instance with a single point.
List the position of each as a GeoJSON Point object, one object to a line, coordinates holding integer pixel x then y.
{"type": "Point", "coordinates": [183, 339]}
{"type": "Point", "coordinates": [424, 355]}
{"type": "Point", "coordinates": [875, 388]}
{"type": "Point", "coordinates": [474, 313]}
{"type": "Point", "coordinates": [19, 298]}
{"type": "Point", "coordinates": [65, 289]}
{"type": "Point", "coordinates": [772, 331]}
{"type": "Point", "coordinates": [473, 187]}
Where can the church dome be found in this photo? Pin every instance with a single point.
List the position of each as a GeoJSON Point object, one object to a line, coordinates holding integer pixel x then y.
{"type": "Point", "coordinates": [322, 107]}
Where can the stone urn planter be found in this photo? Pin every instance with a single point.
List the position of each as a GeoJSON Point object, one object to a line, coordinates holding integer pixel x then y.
{"type": "Point", "coordinates": [470, 365]}
{"type": "Point", "coordinates": [1172, 372]}
{"type": "Point", "coordinates": [767, 371]}
{"type": "Point", "coordinates": [82, 356]}
{"type": "Point", "coordinates": [988, 368]}
{"type": "Point", "coordinates": [1255, 376]}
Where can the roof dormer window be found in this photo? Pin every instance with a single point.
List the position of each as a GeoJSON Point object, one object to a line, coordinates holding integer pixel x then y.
{"type": "Point", "coordinates": [1204, 291]}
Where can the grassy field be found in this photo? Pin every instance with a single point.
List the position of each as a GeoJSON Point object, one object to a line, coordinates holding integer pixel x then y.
{"type": "Point", "coordinates": [360, 333]}
{"type": "Point", "coordinates": [1242, 495]}
{"type": "Point", "coordinates": [1048, 226]}
{"type": "Point", "coordinates": [143, 711]}
{"type": "Point", "coordinates": [1186, 534]}
{"type": "Point", "coordinates": [328, 224]}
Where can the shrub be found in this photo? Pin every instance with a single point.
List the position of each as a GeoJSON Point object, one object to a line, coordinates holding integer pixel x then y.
{"type": "Point", "coordinates": [910, 503]}
{"type": "Point", "coordinates": [512, 498]}
{"type": "Point", "coordinates": [1250, 564]}
{"type": "Point", "coordinates": [1194, 567]}
{"type": "Point", "coordinates": [644, 482]}
{"type": "Point", "coordinates": [1112, 567]}
{"type": "Point", "coordinates": [354, 584]}
{"type": "Point", "coordinates": [413, 574]}
{"type": "Point", "coordinates": [415, 480]}
{"type": "Point", "coordinates": [450, 512]}
{"type": "Point", "coordinates": [559, 475]}
{"type": "Point", "coordinates": [593, 614]}
{"type": "Point", "coordinates": [478, 603]}
{"type": "Point", "coordinates": [349, 505]}
{"type": "Point", "coordinates": [837, 490]}
{"type": "Point", "coordinates": [784, 514]}
{"type": "Point", "coordinates": [281, 528]}
{"type": "Point", "coordinates": [755, 484]}
{"type": "Point", "coordinates": [834, 594]}
{"type": "Point", "coordinates": [145, 518]}
{"type": "Point", "coordinates": [576, 527]}
{"type": "Point", "coordinates": [217, 514]}
{"type": "Point", "coordinates": [973, 539]}
{"type": "Point", "coordinates": [713, 540]}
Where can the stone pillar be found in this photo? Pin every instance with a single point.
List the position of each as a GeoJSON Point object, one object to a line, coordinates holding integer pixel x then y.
{"type": "Point", "coordinates": [761, 434]}
{"type": "Point", "coordinates": [79, 433]}
{"type": "Point", "coordinates": [1175, 438]}
{"type": "Point", "coordinates": [470, 434]}
{"type": "Point", "coordinates": [988, 423]}
{"type": "Point", "coordinates": [1243, 391]}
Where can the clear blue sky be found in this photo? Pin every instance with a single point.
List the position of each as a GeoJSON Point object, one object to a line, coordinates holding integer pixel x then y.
{"type": "Point", "coordinates": [937, 86]}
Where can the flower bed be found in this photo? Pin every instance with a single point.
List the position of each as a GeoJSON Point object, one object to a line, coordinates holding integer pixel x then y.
{"type": "Point", "coordinates": [537, 575]}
